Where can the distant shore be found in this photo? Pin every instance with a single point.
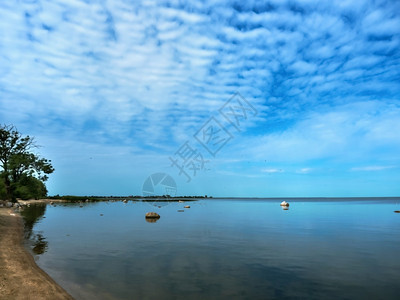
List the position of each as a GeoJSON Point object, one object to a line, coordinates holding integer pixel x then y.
{"type": "Point", "coordinates": [20, 277]}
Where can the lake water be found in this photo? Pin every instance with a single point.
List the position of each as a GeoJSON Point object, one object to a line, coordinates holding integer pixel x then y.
{"type": "Point", "coordinates": [222, 249]}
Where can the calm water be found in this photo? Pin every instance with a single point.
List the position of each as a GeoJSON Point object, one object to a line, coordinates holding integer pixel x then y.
{"type": "Point", "coordinates": [222, 249]}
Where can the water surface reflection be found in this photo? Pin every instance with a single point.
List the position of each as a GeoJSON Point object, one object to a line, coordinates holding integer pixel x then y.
{"type": "Point", "coordinates": [315, 250]}
{"type": "Point", "coordinates": [31, 215]}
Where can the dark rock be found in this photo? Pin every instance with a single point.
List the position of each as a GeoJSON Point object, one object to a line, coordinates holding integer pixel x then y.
{"type": "Point", "coordinates": [152, 215]}
{"type": "Point", "coordinates": [397, 211]}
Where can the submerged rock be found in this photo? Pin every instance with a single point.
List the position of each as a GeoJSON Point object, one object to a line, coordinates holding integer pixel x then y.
{"type": "Point", "coordinates": [152, 215]}
{"type": "Point", "coordinates": [284, 203]}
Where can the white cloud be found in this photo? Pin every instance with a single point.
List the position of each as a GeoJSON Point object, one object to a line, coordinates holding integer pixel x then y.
{"type": "Point", "coordinates": [304, 170]}
{"type": "Point", "coordinates": [372, 168]}
{"type": "Point", "coordinates": [350, 132]}
{"type": "Point", "coordinates": [272, 170]}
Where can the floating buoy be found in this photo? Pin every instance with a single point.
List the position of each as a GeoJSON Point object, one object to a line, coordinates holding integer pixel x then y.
{"type": "Point", "coordinates": [187, 206]}
{"type": "Point", "coordinates": [284, 203]}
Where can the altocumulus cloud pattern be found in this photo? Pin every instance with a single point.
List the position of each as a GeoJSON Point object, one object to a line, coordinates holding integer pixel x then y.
{"type": "Point", "coordinates": [135, 77]}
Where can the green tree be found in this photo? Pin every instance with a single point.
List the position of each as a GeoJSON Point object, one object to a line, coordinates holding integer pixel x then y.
{"type": "Point", "coordinates": [29, 187]}
{"type": "Point", "coordinates": [23, 172]}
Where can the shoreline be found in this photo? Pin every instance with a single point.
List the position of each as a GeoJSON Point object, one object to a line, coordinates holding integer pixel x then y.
{"type": "Point", "coordinates": [26, 202]}
{"type": "Point", "coordinates": [20, 277]}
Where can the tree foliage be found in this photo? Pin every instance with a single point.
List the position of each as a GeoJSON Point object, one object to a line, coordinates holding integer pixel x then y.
{"type": "Point", "coordinates": [22, 172]}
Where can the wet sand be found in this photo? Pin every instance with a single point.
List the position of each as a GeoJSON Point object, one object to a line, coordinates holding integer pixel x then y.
{"type": "Point", "coordinates": [20, 277]}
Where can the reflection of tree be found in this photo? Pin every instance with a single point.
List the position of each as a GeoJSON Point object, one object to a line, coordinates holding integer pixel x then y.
{"type": "Point", "coordinates": [31, 215]}
{"type": "Point", "coordinates": [40, 244]}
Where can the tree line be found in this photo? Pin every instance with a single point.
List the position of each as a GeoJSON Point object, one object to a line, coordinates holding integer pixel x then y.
{"type": "Point", "coordinates": [22, 172]}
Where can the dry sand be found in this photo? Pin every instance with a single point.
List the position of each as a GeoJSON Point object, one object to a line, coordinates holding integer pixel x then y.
{"type": "Point", "coordinates": [20, 277]}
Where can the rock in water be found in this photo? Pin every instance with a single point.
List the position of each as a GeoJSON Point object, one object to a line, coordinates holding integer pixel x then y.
{"type": "Point", "coordinates": [284, 203]}
{"type": "Point", "coordinates": [152, 215]}
{"type": "Point", "coordinates": [397, 211]}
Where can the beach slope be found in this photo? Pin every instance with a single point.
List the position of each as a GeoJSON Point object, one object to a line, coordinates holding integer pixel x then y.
{"type": "Point", "coordinates": [20, 277]}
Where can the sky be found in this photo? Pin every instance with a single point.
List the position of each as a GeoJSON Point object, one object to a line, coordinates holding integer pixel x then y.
{"type": "Point", "coordinates": [294, 98]}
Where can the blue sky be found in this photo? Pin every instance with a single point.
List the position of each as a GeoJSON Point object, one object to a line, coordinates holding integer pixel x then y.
{"type": "Point", "coordinates": [112, 90]}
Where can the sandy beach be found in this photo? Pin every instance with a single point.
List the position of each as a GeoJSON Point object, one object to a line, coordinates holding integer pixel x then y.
{"type": "Point", "coordinates": [20, 277]}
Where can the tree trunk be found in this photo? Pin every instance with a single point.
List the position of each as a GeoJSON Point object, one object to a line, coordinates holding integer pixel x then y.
{"type": "Point", "coordinates": [9, 192]}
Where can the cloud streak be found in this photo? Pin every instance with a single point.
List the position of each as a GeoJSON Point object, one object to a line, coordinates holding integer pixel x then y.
{"type": "Point", "coordinates": [372, 168]}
